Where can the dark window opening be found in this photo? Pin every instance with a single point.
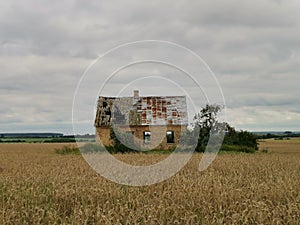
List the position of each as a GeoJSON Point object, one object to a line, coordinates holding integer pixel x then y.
{"type": "Point", "coordinates": [147, 136]}
{"type": "Point", "coordinates": [170, 136]}
{"type": "Point", "coordinates": [108, 112]}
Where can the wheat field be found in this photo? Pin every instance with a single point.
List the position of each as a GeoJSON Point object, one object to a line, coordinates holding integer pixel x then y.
{"type": "Point", "coordinates": [38, 186]}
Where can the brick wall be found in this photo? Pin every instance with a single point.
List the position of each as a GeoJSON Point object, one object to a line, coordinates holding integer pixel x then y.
{"type": "Point", "coordinates": [158, 138]}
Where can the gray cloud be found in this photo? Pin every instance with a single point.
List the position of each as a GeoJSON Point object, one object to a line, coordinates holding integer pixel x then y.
{"type": "Point", "coordinates": [252, 46]}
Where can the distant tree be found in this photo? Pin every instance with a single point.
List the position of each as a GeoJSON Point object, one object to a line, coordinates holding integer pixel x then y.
{"type": "Point", "coordinates": [288, 134]}
{"type": "Point", "coordinates": [270, 135]}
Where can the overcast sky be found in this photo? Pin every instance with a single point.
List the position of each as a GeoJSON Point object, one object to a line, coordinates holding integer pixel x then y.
{"type": "Point", "coordinates": [253, 48]}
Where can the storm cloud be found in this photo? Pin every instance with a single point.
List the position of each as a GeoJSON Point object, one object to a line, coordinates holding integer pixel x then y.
{"type": "Point", "coordinates": [253, 48]}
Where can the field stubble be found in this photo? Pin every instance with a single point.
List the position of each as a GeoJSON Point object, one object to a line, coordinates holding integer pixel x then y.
{"type": "Point", "coordinates": [38, 186]}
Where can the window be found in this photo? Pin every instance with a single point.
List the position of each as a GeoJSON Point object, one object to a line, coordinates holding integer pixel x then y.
{"type": "Point", "coordinates": [147, 135]}
{"type": "Point", "coordinates": [170, 136]}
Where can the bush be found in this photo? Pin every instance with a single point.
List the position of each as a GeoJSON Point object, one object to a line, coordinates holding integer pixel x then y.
{"type": "Point", "coordinates": [237, 148]}
{"type": "Point", "coordinates": [117, 144]}
{"type": "Point", "coordinates": [91, 147]}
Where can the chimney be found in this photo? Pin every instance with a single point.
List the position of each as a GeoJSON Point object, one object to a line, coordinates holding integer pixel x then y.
{"type": "Point", "coordinates": [136, 94]}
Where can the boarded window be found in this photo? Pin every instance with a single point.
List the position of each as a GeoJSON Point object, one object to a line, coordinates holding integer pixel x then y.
{"type": "Point", "coordinates": [170, 136]}
{"type": "Point", "coordinates": [147, 136]}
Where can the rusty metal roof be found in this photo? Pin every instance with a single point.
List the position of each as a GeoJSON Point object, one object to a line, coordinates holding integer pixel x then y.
{"type": "Point", "coordinates": [147, 110]}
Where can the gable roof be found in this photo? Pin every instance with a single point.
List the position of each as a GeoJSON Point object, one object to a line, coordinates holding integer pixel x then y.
{"type": "Point", "coordinates": [147, 110]}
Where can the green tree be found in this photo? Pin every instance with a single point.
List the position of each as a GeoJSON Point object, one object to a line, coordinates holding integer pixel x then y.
{"type": "Point", "coordinates": [206, 123]}
{"type": "Point", "coordinates": [231, 137]}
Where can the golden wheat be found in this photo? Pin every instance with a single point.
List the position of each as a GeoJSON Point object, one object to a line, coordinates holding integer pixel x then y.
{"type": "Point", "coordinates": [41, 187]}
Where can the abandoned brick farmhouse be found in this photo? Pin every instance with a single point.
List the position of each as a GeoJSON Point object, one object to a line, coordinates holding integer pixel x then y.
{"type": "Point", "coordinates": [152, 121]}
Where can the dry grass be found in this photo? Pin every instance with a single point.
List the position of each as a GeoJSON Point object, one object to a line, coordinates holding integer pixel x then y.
{"type": "Point", "coordinates": [281, 146]}
{"type": "Point", "coordinates": [41, 187]}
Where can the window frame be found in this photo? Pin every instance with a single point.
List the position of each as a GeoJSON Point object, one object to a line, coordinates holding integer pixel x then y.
{"type": "Point", "coordinates": [172, 137]}
{"type": "Point", "coordinates": [147, 137]}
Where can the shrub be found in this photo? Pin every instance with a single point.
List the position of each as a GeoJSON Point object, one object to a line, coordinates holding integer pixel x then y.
{"type": "Point", "coordinates": [91, 147]}
{"type": "Point", "coordinates": [237, 148]}
{"type": "Point", "coordinates": [118, 146]}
